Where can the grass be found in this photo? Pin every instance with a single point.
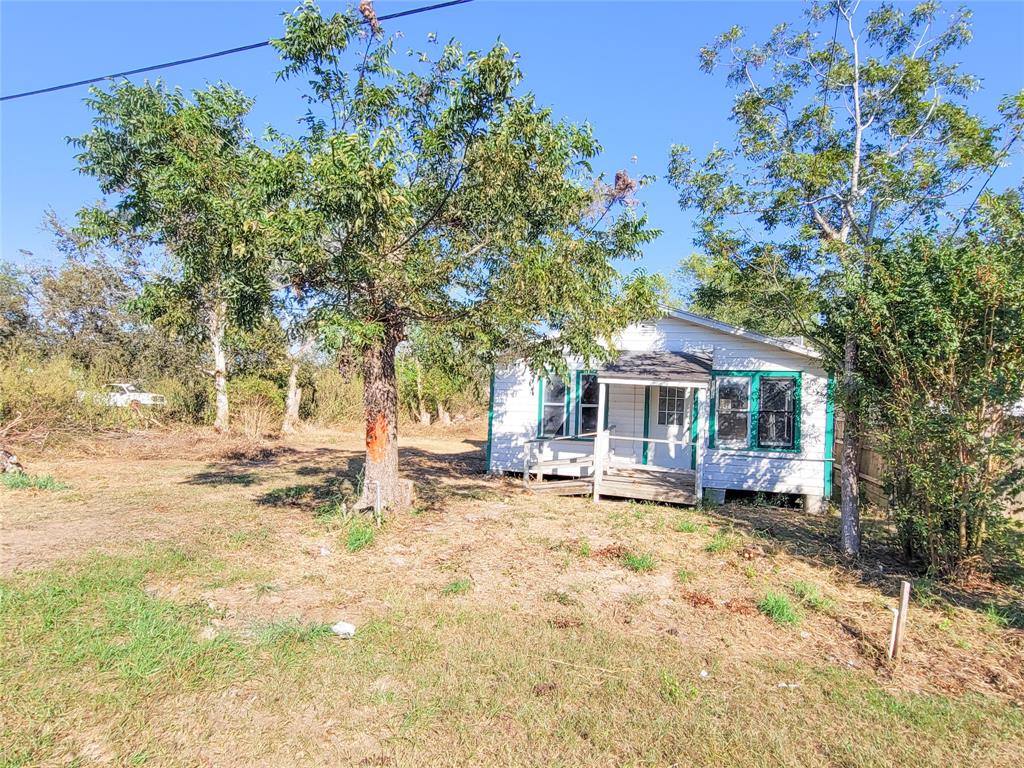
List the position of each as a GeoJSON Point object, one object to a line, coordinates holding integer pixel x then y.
{"type": "Point", "coordinates": [778, 608]}
{"type": "Point", "coordinates": [433, 672]}
{"type": "Point", "coordinates": [723, 541]}
{"type": "Point", "coordinates": [688, 525]}
{"type": "Point", "coordinates": [221, 646]}
{"type": "Point", "coordinates": [24, 481]}
{"type": "Point", "coordinates": [457, 587]}
{"type": "Point", "coordinates": [639, 563]}
{"type": "Point", "coordinates": [810, 595]}
{"type": "Point", "coordinates": [359, 535]}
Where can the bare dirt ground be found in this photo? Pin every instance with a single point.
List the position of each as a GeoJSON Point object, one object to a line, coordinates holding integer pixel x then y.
{"type": "Point", "coordinates": [546, 559]}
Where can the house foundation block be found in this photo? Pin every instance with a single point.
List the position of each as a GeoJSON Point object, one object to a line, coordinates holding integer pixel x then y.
{"type": "Point", "coordinates": [815, 504]}
{"type": "Point", "coordinates": [714, 497]}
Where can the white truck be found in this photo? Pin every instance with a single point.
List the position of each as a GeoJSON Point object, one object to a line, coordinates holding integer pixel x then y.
{"type": "Point", "coordinates": [121, 395]}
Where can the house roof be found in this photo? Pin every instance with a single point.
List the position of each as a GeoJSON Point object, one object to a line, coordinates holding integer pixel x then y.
{"type": "Point", "coordinates": [794, 344]}
{"type": "Point", "coordinates": [658, 366]}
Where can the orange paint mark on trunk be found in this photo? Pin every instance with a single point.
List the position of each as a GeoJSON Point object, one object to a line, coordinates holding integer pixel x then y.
{"type": "Point", "coordinates": [377, 437]}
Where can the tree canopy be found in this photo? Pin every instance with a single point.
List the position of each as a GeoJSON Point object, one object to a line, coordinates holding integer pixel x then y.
{"type": "Point", "coordinates": [437, 194]}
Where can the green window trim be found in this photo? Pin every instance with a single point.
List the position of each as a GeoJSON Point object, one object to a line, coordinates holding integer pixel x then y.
{"type": "Point", "coordinates": [755, 395]}
{"type": "Point", "coordinates": [830, 434]}
{"type": "Point", "coordinates": [577, 403]}
{"type": "Point", "coordinates": [540, 411]}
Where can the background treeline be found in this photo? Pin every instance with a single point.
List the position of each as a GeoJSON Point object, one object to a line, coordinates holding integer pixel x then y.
{"type": "Point", "coordinates": [69, 328]}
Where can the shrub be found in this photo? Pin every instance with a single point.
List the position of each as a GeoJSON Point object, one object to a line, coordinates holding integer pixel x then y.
{"type": "Point", "coordinates": [40, 397]}
{"type": "Point", "coordinates": [257, 405]}
{"type": "Point", "coordinates": [335, 399]}
{"type": "Point", "coordinates": [778, 608]}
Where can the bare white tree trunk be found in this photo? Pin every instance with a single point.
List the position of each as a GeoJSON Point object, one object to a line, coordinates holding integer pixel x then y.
{"type": "Point", "coordinates": [442, 414]}
{"type": "Point", "coordinates": [217, 324]}
{"type": "Point", "coordinates": [849, 504]}
{"type": "Point", "coordinates": [292, 400]}
{"type": "Point", "coordinates": [293, 397]}
{"type": "Point", "coordinates": [421, 404]}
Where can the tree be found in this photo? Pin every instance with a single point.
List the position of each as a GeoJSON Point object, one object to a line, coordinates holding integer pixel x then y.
{"type": "Point", "coordinates": [16, 321]}
{"type": "Point", "coordinates": [740, 294]}
{"type": "Point", "coordinates": [436, 371]}
{"type": "Point", "coordinates": [940, 329]}
{"type": "Point", "coordinates": [186, 175]}
{"type": "Point", "coordinates": [848, 131]}
{"type": "Point", "coordinates": [435, 195]}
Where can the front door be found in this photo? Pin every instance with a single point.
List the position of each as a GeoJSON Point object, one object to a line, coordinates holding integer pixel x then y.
{"type": "Point", "coordinates": [669, 419]}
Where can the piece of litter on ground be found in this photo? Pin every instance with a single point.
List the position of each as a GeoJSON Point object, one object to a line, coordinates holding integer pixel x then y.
{"type": "Point", "coordinates": [805, 635]}
{"type": "Point", "coordinates": [325, 551]}
{"type": "Point", "coordinates": [788, 685]}
{"type": "Point", "coordinates": [704, 673]}
{"type": "Point", "coordinates": [344, 629]}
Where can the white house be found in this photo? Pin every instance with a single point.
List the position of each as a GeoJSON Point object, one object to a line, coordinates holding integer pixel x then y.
{"type": "Point", "coordinates": [691, 407]}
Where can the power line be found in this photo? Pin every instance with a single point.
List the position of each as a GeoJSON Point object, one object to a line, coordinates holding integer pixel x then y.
{"type": "Point", "coordinates": [215, 54]}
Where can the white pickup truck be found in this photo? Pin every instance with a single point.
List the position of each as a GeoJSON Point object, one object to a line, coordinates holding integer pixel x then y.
{"type": "Point", "coordinates": [125, 395]}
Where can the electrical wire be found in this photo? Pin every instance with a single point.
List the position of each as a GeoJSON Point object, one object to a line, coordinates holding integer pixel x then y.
{"type": "Point", "coordinates": [215, 54]}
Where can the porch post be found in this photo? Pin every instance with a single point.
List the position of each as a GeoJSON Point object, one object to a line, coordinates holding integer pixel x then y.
{"type": "Point", "coordinates": [703, 422]}
{"type": "Point", "coordinates": [600, 439]}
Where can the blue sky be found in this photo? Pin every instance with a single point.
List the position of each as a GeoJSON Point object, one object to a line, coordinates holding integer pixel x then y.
{"type": "Point", "coordinates": [628, 68]}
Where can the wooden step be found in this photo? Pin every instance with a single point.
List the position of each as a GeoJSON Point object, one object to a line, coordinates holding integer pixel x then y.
{"type": "Point", "coordinates": [634, 489]}
{"type": "Point", "coordinates": [573, 461]}
{"type": "Point", "coordinates": [563, 487]}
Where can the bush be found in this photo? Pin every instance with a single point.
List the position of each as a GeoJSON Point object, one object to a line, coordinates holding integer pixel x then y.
{"type": "Point", "coordinates": [188, 401]}
{"type": "Point", "coordinates": [257, 405]}
{"type": "Point", "coordinates": [335, 399]}
{"type": "Point", "coordinates": [40, 397]}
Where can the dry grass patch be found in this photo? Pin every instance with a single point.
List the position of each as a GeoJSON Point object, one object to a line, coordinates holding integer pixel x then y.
{"type": "Point", "coordinates": [493, 628]}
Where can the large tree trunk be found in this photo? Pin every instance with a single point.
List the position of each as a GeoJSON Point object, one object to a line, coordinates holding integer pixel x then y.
{"type": "Point", "coordinates": [217, 324]}
{"type": "Point", "coordinates": [292, 400]}
{"type": "Point", "coordinates": [849, 505]}
{"type": "Point", "coordinates": [380, 401]}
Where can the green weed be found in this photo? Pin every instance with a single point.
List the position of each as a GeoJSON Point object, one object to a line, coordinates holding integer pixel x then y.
{"type": "Point", "coordinates": [584, 549]}
{"type": "Point", "coordinates": [687, 525]}
{"type": "Point", "coordinates": [723, 541]}
{"type": "Point", "coordinates": [640, 563]}
{"type": "Point", "coordinates": [360, 535]}
{"type": "Point", "coordinates": [684, 576]}
{"type": "Point", "coordinates": [810, 595]}
{"type": "Point", "coordinates": [777, 607]}
{"type": "Point", "coordinates": [457, 587]}
{"type": "Point", "coordinates": [23, 481]}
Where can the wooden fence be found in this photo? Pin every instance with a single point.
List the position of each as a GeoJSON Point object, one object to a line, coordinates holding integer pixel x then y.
{"type": "Point", "coordinates": [870, 469]}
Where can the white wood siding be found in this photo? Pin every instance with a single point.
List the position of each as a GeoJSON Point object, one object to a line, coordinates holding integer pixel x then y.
{"type": "Point", "coordinates": [514, 418]}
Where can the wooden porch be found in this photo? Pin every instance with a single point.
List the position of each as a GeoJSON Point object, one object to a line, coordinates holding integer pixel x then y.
{"type": "Point", "coordinates": [591, 466]}
{"type": "Point", "coordinates": [647, 483]}
{"type": "Point", "coordinates": [628, 481]}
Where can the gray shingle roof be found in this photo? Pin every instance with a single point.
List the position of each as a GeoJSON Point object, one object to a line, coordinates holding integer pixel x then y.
{"type": "Point", "coordinates": [659, 366]}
